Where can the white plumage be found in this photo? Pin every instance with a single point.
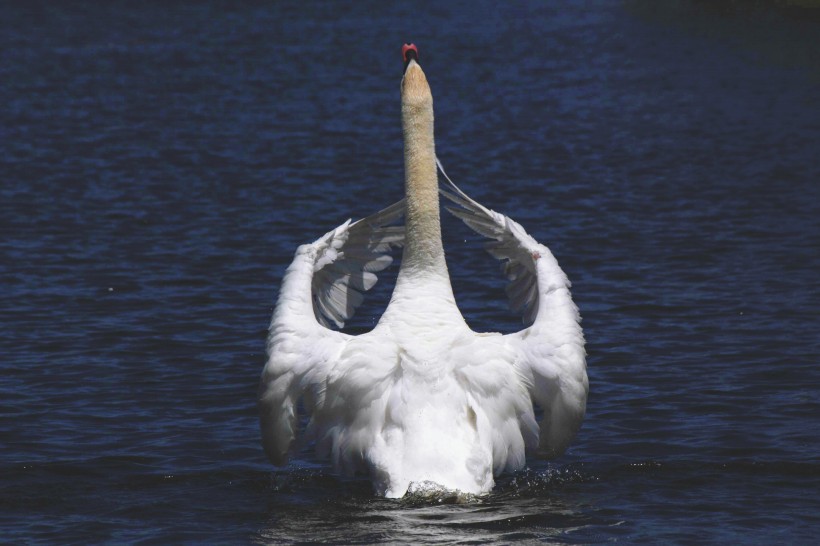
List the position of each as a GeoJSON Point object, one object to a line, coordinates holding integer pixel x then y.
{"type": "Point", "coordinates": [421, 398]}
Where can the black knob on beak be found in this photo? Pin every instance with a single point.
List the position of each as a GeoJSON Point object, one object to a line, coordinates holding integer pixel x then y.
{"type": "Point", "coordinates": [408, 53]}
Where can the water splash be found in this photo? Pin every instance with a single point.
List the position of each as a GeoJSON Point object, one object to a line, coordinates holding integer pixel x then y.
{"type": "Point", "coordinates": [428, 492]}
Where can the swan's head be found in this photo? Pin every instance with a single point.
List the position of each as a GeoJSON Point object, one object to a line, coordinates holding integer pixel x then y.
{"type": "Point", "coordinates": [415, 91]}
{"type": "Point", "coordinates": [409, 52]}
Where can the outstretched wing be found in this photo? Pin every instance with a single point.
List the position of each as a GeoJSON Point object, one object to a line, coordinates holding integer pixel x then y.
{"type": "Point", "coordinates": [550, 353]}
{"type": "Point", "coordinates": [508, 242]}
{"type": "Point", "coordinates": [349, 262]}
{"type": "Point", "coordinates": [324, 284]}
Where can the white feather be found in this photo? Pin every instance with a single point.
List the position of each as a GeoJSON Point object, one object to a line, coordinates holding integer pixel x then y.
{"type": "Point", "coordinates": [421, 398]}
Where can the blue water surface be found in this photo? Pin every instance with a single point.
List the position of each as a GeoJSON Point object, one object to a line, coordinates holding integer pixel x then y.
{"type": "Point", "coordinates": [160, 163]}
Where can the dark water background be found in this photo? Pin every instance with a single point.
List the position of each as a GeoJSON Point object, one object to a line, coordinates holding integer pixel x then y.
{"type": "Point", "coordinates": [159, 164]}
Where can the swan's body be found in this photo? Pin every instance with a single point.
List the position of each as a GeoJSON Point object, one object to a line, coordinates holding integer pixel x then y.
{"type": "Point", "coordinates": [421, 397]}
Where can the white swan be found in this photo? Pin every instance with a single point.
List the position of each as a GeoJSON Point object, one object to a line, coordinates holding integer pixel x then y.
{"type": "Point", "coordinates": [421, 397]}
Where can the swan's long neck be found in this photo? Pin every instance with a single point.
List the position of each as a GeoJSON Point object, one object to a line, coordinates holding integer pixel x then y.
{"type": "Point", "coordinates": [422, 303]}
{"type": "Point", "coordinates": [423, 252]}
{"type": "Point", "coordinates": [423, 298]}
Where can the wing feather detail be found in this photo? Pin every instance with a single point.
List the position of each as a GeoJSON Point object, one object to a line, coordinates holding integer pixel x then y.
{"type": "Point", "coordinates": [348, 259]}
{"type": "Point", "coordinates": [324, 285]}
{"type": "Point", "coordinates": [550, 356]}
{"type": "Point", "coordinates": [509, 242]}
